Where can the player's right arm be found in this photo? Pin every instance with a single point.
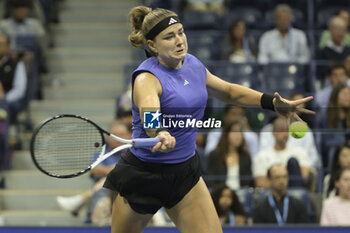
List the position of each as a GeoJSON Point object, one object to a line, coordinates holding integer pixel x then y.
{"type": "Point", "coordinates": [146, 96]}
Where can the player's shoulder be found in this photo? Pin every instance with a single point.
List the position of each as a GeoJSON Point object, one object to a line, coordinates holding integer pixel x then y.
{"type": "Point", "coordinates": [193, 61]}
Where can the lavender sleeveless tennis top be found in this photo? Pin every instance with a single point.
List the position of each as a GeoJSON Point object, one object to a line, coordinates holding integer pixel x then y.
{"type": "Point", "coordinates": [183, 92]}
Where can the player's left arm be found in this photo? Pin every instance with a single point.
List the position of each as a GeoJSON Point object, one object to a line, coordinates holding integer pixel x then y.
{"type": "Point", "coordinates": [232, 93]}
{"type": "Point", "coordinates": [240, 95]}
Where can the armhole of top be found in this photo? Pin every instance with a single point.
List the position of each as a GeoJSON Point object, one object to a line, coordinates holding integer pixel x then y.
{"type": "Point", "coordinates": [133, 80]}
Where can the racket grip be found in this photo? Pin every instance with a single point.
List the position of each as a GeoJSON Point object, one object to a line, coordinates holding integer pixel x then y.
{"type": "Point", "coordinates": [145, 142]}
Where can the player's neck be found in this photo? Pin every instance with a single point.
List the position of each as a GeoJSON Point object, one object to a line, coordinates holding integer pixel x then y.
{"type": "Point", "coordinates": [171, 63]}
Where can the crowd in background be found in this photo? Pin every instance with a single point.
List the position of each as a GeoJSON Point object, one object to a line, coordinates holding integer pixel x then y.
{"type": "Point", "coordinates": [252, 165]}
{"type": "Point", "coordinates": [25, 37]}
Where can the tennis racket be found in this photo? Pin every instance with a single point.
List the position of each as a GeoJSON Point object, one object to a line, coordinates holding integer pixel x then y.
{"type": "Point", "coordinates": [63, 146]}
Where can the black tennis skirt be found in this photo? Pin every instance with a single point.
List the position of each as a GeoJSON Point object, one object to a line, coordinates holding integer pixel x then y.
{"type": "Point", "coordinates": [150, 186]}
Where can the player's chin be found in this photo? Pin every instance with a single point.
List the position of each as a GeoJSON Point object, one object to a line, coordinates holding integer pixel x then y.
{"type": "Point", "coordinates": [180, 54]}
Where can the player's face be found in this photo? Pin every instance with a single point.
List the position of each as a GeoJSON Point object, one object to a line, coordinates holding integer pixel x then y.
{"type": "Point", "coordinates": [171, 44]}
{"type": "Point", "coordinates": [344, 184]}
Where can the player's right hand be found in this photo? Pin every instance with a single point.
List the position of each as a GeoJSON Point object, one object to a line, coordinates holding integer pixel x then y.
{"type": "Point", "coordinates": [166, 144]}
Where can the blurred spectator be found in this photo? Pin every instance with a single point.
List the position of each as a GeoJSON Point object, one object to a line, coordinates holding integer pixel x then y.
{"type": "Point", "coordinates": [230, 160]}
{"type": "Point", "coordinates": [341, 160]}
{"type": "Point", "coordinates": [279, 207]}
{"type": "Point", "coordinates": [294, 158]}
{"type": "Point", "coordinates": [336, 210]}
{"type": "Point", "coordinates": [347, 65]}
{"type": "Point", "coordinates": [338, 112]}
{"type": "Point", "coordinates": [230, 210]}
{"type": "Point", "coordinates": [4, 150]}
{"type": "Point", "coordinates": [284, 43]}
{"type": "Point", "coordinates": [267, 139]}
{"type": "Point", "coordinates": [232, 114]}
{"type": "Point", "coordinates": [98, 195]}
{"type": "Point", "coordinates": [206, 5]}
{"type": "Point", "coordinates": [123, 108]}
{"type": "Point", "coordinates": [36, 10]}
{"type": "Point", "coordinates": [19, 25]}
{"type": "Point", "coordinates": [239, 48]}
{"type": "Point", "coordinates": [13, 79]}
{"type": "Point", "coordinates": [336, 76]}
{"type": "Point", "coordinates": [335, 49]}
{"type": "Point", "coordinates": [326, 35]}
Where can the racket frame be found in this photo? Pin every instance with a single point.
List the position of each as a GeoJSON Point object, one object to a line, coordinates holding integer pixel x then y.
{"type": "Point", "coordinates": [139, 143]}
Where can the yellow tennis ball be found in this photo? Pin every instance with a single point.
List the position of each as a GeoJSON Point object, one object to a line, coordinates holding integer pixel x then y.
{"type": "Point", "coordinates": [298, 129]}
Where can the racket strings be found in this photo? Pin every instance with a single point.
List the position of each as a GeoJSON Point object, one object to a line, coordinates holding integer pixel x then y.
{"type": "Point", "coordinates": [66, 146]}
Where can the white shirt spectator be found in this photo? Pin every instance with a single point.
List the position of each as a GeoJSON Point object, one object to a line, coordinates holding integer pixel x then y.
{"type": "Point", "coordinates": [307, 142]}
{"type": "Point", "coordinates": [292, 48]}
{"type": "Point", "coordinates": [268, 157]}
{"type": "Point", "coordinates": [335, 212]}
{"type": "Point", "coordinates": [19, 82]}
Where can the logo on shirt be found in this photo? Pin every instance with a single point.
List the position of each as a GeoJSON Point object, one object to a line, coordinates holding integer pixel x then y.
{"type": "Point", "coordinates": [151, 120]}
{"type": "Point", "coordinates": [172, 20]}
{"type": "Point", "coordinates": [186, 82]}
{"type": "Point", "coordinates": [156, 120]}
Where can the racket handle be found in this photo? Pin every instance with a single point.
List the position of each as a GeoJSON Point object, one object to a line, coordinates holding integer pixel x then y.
{"type": "Point", "coordinates": [145, 142]}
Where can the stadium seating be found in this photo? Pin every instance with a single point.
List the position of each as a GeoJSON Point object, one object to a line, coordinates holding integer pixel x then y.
{"type": "Point", "coordinates": [201, 20]}
{"type": "Point", "coordinates": [284, 78]}
{"type": "Point", "coordinates": [244, 74]}
{"type": "Point", "coordinates": [4, 150]}
{"type": "Point", "coordinates": [246, 197]}
{"type": "Point", "coordinates": [250, 15]}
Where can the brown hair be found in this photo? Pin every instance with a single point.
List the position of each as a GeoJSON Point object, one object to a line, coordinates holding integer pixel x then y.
{"type": "Point", "coordinates": [332, 111]}
{"type": "Point", "coordinates": [223, 146]}
{"type": "Point", "coordinates": [143, 19]}
{"type": "Point", "coordinates": [232, 38]}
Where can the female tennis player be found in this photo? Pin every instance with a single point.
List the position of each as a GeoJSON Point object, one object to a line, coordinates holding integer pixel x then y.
{"type": "Point", "coordinates": [169, 173]}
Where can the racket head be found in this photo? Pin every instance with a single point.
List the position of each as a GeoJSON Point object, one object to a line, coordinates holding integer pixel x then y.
{"type": "Point", "coordinates": [64, 146]}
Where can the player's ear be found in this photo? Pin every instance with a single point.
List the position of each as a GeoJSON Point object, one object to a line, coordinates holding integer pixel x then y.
{"type": "Point", "coordinates": [151, 46]}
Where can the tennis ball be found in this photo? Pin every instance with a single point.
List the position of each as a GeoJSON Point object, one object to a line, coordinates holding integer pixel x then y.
{"type": "Point", "coordinates": [298, 129]}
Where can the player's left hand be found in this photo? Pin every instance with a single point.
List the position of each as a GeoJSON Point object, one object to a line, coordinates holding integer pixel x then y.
{"type": "Point", "coordinates": [291, 108]}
